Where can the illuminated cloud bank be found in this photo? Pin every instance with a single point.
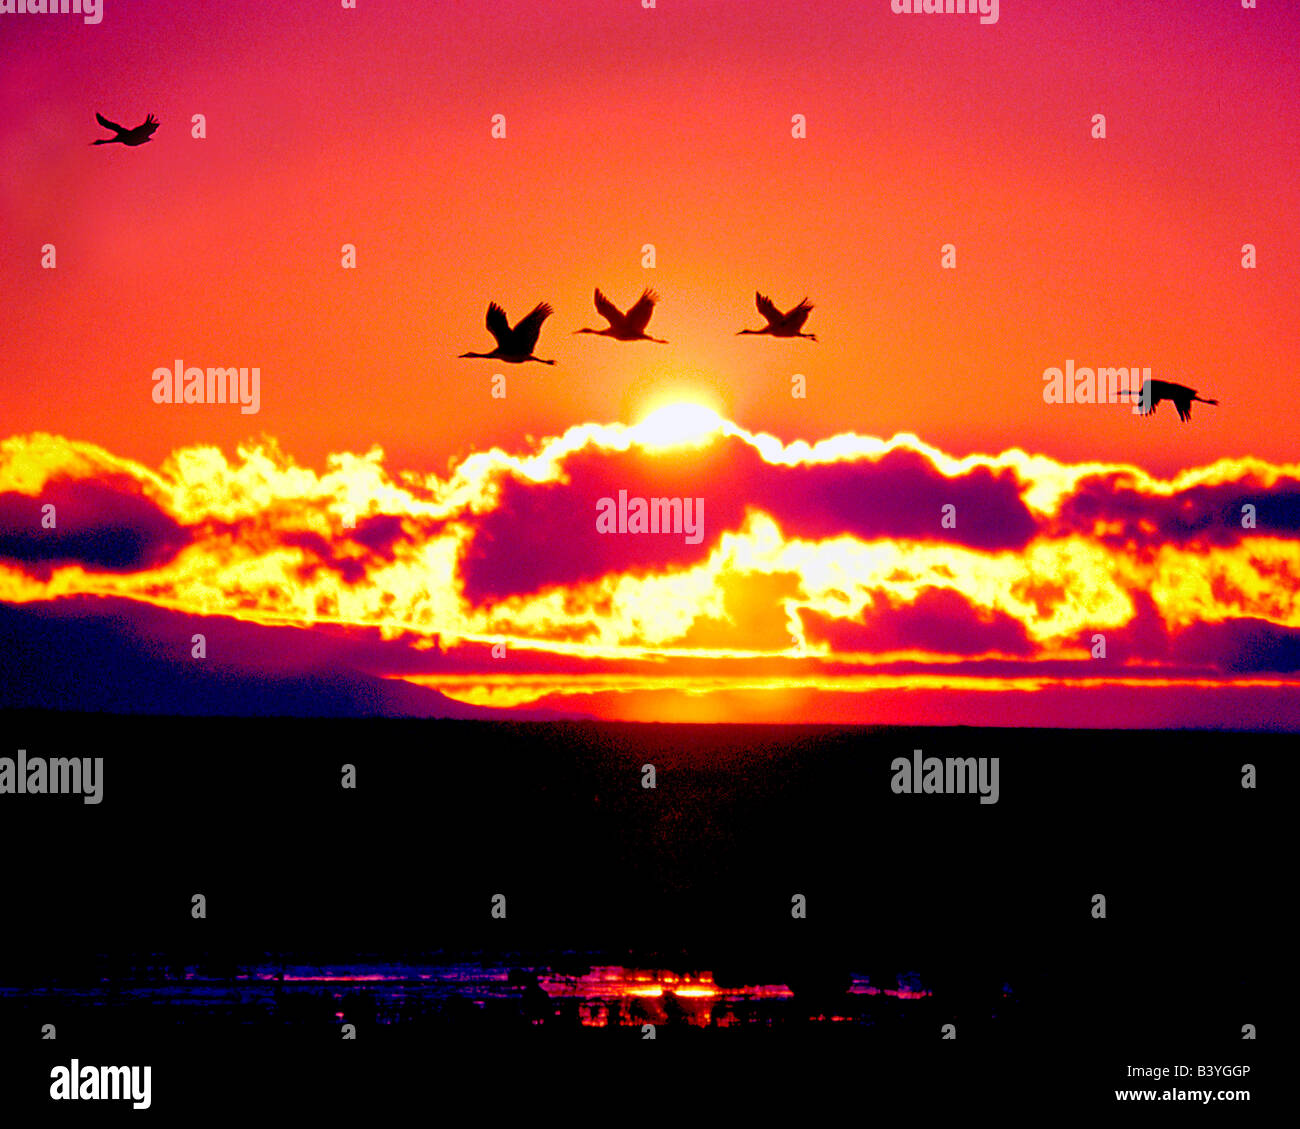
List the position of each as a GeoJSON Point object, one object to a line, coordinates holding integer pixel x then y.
{"type": "Point", "coordinates": [873, 571]}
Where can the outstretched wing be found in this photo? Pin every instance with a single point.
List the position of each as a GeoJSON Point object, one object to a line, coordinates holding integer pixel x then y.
{"type": "Point", "coordinates": [524, 335]}
{"type": "Point", "coordinates": [148, 126]}
{"type": "Point", "coordinates": [638, 317]}
{"type": "Point", "coordinates": [796, 317]}
{"type": "Point", "coordinates": [108, 124]}
{"type": "Point", "coordinates": [765, 307]}
{"type": "Point", "coordinates": [607, 309]}
{"type": "Point", "coordinates": [1182, 398]}
{"type": "Point", "coordinates": [497, 324]}
{"type": "Point", "coordinates": [1146, 397]}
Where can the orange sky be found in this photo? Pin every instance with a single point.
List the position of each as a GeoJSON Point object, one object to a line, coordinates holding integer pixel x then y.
{"type": "Point", "coordinates": [670, 127]}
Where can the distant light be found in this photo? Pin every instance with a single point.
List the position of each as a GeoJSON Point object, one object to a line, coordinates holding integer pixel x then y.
{"type": "Point", "coordinates": [677, 425]}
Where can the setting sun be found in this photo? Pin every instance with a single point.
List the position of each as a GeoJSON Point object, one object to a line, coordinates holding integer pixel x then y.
{"type": "Point", "coordinates": [677, 425]}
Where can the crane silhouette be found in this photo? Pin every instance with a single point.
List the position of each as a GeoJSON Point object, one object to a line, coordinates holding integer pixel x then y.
{"type": "Point", "coordinates": [515, 346]}
{"type": "Point", "coordinates": [1153, 391]}
{"type": "Point", "coordinates": [629, 326]}
{"type": "Point", "coordinates": [779, 324]}
{"type": "Point", "coordinates": [138, 136]}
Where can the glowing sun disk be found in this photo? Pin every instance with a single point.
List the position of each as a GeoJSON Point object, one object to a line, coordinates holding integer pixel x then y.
{"type": "Point", "coordinates": [677, 425]}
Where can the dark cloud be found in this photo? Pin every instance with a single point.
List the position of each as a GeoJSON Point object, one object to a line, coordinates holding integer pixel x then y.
{"type": "Point", "coordinates": [1210, 514]}
{"type": "Point", "coordinates": [544, 535]}
{"type": "Point", "coordinates": [1241, 646]}
{"type": "Point", "coordinates": [104, 525]}
{"type": "Point", "coordinates": [380, 534]}
{"type": "Point", "coordinates": [939, 621]}
{"type": "Point", "coordinates": [1233, 646]}
{"type": "Point", "coordinates": [900, 497]}
{"type": "Point", "coordinates": [350, 569]}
